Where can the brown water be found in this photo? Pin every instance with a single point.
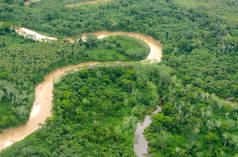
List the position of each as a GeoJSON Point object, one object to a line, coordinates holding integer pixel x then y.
{"type": "Point", "coordinates": [42, 106]}
{"type": "Point", "coordinates": [155, 46]}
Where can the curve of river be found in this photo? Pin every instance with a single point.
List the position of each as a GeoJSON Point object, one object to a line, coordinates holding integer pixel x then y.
{"type": "Point", "coordinates": [42, 105]}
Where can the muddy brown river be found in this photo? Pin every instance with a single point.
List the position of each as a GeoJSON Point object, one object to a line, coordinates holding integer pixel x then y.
{"type": "Point", "coordinates": [42, 105]}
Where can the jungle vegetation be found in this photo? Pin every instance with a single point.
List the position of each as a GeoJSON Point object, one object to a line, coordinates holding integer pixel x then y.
{"type": "Point", "coordinates": [200, 45]}
{"type": "Point", "coordinates": [185, 29]}
{"type": "Point", "coordinates": [24, 63]}
{"type": "Point", "coordinates": [96, 111]}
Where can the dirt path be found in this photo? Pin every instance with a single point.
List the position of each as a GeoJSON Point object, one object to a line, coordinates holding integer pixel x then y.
{"type": "Point", "coordinates": [86, 3]}
{"type": "Point", "coordinates": [27, 33]}
{"type": "Point", "coordinates": [72, 5]}
{"type": "Point", "coordinates": [42, 106]}
{"type": "Point", "coordinates": [30, 1]}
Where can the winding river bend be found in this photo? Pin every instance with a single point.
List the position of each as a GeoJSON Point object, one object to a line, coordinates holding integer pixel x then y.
{"type": "Point", "coordinates": [42, 105]}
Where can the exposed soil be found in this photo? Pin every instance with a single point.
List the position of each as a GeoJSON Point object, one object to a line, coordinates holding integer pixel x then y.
{"type": "Point", "coordinates": [87, 3]}
{"type": "Point", "coordinates": [27, 33]}
{"type": "Point", "coordinates": [30, 1]}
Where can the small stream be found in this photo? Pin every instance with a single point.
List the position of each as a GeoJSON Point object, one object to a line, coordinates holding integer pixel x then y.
{"type": "Point", "coordinates": [140, 144]}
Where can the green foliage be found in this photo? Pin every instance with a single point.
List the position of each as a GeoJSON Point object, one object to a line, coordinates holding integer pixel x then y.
{"type": "Point", "coordinates": [200, 41]}
{"type": "Point", "coordinates": [95, 109]}
{"type": "Point", "coordinates": [99, 121]}
{"type": "Point", "coordinates": [23, 66]}
{"type": "Point", "coordinates": [193, 123]}
{"type": "Point", "coordinates": [4, 28]}
{"type": "Point", "coordinates": [186, 30]}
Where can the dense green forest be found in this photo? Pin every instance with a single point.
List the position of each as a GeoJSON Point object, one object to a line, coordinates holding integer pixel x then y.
{"type": "Point", "coordinates": [24, 63]}
{"type": "Point", "coordinates": [96, 111]}
{"type": "Point", "coordinates": [186, 30]}
{"type": "Point", "coordinates": [198, 73]}
{"type": "Point", "coordinates": [193, 123]}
